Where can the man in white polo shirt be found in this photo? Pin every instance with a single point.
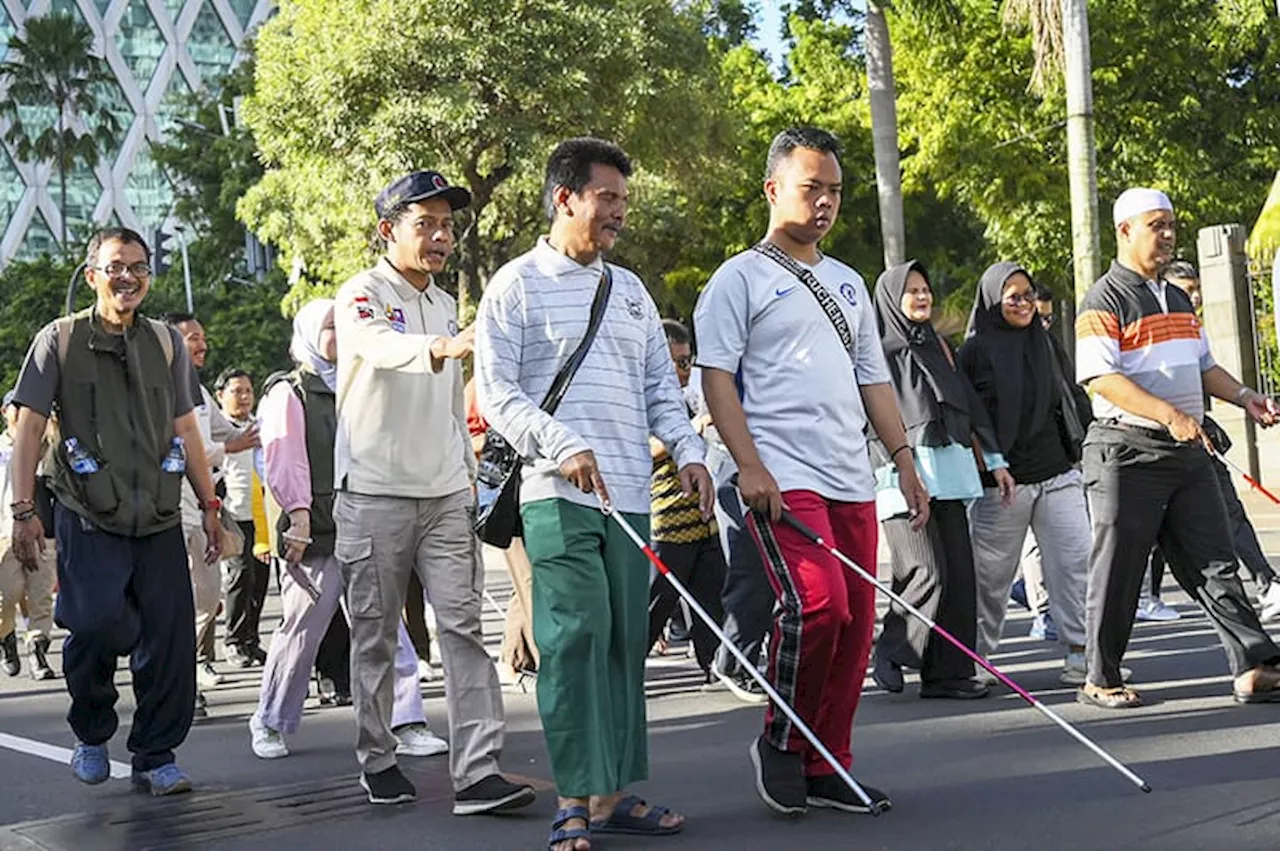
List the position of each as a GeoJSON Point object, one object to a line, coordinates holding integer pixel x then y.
{"type": "Point", "coordinates": [793, 372]}
{"type": "Point", "coordinates": [403, 469]}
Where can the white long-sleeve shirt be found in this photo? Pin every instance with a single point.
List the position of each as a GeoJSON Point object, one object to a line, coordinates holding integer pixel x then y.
{"type": "Point", "coordinates": [402, 425]}
{"type": "Point", "coordinates": [215, 428]}
{"type": "Point", "coordinates": [533, 315]}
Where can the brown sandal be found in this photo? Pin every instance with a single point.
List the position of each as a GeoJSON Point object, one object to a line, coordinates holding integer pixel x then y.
{"type": "Point", "coordinates": [1109, 698]}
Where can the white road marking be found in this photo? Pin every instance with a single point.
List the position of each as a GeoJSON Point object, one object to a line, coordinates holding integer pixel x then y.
{"type": "Point", "coordinates": [119, 770]}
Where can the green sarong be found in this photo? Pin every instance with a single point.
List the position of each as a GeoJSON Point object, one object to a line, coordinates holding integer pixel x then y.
{"type": "Point", "coordinates": [591, 625]}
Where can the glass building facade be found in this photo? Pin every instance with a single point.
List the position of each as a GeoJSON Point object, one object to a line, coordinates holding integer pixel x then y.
{"type": "Point", "coordinates": [158, 51]}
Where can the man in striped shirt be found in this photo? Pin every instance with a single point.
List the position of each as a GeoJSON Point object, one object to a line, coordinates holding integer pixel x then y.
{"type": "Point", "coordinates": [1145, 358]}
{"type": "Point", "coordinates": [590, 583]}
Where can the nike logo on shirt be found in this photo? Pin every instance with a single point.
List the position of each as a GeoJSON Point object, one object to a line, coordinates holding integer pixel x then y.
{"type": "Point", "coordinates": [781, 292]}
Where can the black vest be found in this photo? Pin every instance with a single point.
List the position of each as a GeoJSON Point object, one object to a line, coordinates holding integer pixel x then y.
{"type": "Point", "coordinates": [320, 411]}
{"type": "Point", "coordinates": [116, 398]}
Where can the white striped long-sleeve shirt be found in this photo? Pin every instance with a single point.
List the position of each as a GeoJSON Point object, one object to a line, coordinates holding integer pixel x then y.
{"type": "Point", "coordinates": [532, 317]}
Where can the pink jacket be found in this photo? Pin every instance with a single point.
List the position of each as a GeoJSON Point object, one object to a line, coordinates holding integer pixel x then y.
{"type": "Point", "coordinates": [284, 447]}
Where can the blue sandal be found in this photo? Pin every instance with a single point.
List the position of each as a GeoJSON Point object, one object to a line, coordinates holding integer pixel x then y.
{"type": "Point", "coordinates": [622, 821]}
{"type": "Point", "coordinates": [560, 834]}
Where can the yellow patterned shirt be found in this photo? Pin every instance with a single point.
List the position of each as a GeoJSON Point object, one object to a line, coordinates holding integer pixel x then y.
{"type": "Point", "coordinates": [676, 518]}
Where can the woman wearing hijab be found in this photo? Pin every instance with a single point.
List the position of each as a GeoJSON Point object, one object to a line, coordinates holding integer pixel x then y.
{"type": "Point", "coordinates": [947, 430]}
{"type": "Point", "coordinates": [1020, 373]}
{"type": "Point", "coordinates": [299, 427]}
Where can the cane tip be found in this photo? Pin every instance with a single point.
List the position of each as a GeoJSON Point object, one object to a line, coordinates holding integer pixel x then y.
{"type": "Point", "coordinates": [1146, 787]}
{"type": "Point", "coordinates": [876, 810]}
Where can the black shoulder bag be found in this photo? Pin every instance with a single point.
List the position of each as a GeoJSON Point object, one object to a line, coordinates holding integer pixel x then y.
{"type": "Point", "coordinates": [498, 470]}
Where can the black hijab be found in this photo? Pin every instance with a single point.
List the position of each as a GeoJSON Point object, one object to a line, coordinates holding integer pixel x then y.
{"type": "Point", "coordinates": [999, 358]}
{"type": "Point", "coordinates": [938, 404]}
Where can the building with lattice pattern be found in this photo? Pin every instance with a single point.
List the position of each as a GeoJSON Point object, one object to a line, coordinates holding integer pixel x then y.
{"type": "Point", "coordinates": [158, 51]}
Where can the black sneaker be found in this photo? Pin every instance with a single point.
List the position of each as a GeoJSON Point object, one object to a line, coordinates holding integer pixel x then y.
{"type": "Point", "coordinates": [201, 711]}
{"type": "Point", "coordinates": [740, 684]}
{"type": "Point", "coordinates": [493, 794]}
{"type": "Point", "coordinates": [40, 669]}
{"type": "Point", "coordinates": [887, 675]}
{"type": "Point", "coordinates": [388, 787]}
{"type": "Point", "coordinates": [779, 778]}
{"type": "Point", "coordinates": [9, 649]}
{"type": "Point", "coordinates": [955, 690]}
{"type": "Point", "coordinates": [830, 791]}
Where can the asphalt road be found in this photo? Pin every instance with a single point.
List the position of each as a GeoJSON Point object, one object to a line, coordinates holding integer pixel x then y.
{"type": "Point", "coordinates": [989, 774]}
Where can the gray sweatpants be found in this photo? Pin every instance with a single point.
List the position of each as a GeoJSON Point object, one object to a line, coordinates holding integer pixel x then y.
{"type": "Point", "coordinates": [1056, 512]}
{"type": "Point", "coordinates": [381, 541]}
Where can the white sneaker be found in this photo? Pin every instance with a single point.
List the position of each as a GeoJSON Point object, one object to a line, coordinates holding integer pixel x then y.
{"type": "Point", "coordinates": [418, 740]}
{"type": "Point", "coordinates": [267, 743]}
{"type": "Point", "coordinates": [206, 676]}
{"type": "Point", "coordinates": [1075, 670]}
{"type": "Point", "coordinates": [1155, 609]}
{"type": "Point", "coordinates": [1270, 603]}
{"type": "Point", "coordinates": [426, 673]}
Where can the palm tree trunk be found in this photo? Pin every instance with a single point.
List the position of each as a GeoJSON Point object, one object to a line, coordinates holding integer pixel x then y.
{"type": "Point", "coordinates": [884, 135]}
{"type": "Point", "coordinates": [1082, 160]}
{"type": "Point", "coordinates": [62, 177]}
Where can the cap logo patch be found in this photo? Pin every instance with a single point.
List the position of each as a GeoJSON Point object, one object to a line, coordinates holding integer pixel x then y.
{"type": "Point", "coordinates": [439, 182]}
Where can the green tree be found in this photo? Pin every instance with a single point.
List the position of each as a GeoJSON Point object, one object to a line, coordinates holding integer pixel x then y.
{"type": "Point", "coordinates": [210, 171]}
{"type": "Point", "coordinates": [244, 319]}
{"type": "Point", "coordinates": [1201, 121]}
{"type": "Point", "coordinates": [479, 89]}
{"type": "Point", "coordinates": [688, 227]}
{"type": "Point", "coordinates": [31, 295]}
{"type": "Point", "coordinates": [54, 66]}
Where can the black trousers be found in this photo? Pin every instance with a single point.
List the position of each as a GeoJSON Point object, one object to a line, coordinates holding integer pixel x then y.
{"type": "Point", "coordinates": [1143, 491]}
{"type": "Point", "coordinates": [245, 582]}
{"type": "Point", "coordinates": [333, 657]}
{"type": "Point", "coordinates": [932, 570]}
{"type": "Point", "coordinates": [415, 618]}
{"type": "Point", "coordinates": [700, 568]}
{"type": "Point", "coordinates": [131, 597]}
{"type": "Point", "coordinates": [1244, 539]}
{"type": "Point", "coordinates": [746, 598]}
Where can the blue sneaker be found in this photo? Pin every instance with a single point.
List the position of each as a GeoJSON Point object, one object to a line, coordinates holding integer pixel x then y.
{"type": "Point", "coordinates": [90, 765]}
{"type": "Point", "coordinates": [1018, 594]}
{"type": "Point", "coordinates": [1043, 628]}
{"type": "Point", "coordinates": [165, 780]}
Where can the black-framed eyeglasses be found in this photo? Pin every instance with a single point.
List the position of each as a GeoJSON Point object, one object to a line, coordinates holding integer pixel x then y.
{"type": "Point", "coordinates": [684, 362]}
{"type": "Point", "coordinates": [139, 271]}
{"type": "Point", "coordinates": [1019, 298]}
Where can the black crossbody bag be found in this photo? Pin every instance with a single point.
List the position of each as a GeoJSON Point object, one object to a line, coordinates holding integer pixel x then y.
{"type": "Point", "coordinates": [825, 299]}
{"type": "Point", "coordinates": [498, 470]}
{"type": "Point", "coordinates": [832, 309]}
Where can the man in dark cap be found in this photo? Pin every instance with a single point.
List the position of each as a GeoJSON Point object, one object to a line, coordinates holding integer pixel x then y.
{"type": "Point", "coordinates": [403, 469]}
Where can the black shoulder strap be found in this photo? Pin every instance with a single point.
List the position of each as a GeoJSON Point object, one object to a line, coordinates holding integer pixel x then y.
{"type": "Point", "coordinates": [561, 382]}
{"type": "Point", "coordinates": [825, 300]}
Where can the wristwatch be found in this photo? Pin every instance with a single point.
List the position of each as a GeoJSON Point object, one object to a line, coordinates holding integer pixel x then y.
{"type": "Point", "coordinates": [211, 504]}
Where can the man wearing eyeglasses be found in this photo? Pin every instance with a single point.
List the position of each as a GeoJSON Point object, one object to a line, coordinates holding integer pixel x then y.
{"type": "Point", "coordinates": [120, 384]}
{"type": "Point", "coordinates": [687, 543]}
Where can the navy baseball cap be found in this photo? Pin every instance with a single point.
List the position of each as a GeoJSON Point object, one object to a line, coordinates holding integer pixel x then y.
{"type": "Point", "coordinates": [419, 186]}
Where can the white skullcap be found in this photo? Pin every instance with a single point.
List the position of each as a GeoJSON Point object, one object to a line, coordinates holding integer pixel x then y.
{"type": "Point", "coordinates": [1133, 202]}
